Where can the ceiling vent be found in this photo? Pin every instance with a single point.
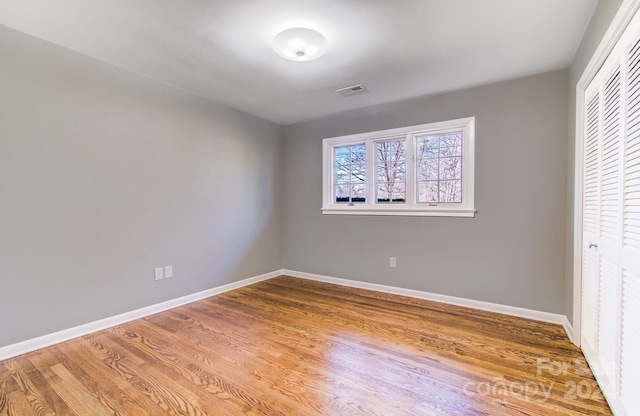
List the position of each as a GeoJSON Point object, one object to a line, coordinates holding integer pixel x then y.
{"type": "Point", "coordinates": [351, 90]}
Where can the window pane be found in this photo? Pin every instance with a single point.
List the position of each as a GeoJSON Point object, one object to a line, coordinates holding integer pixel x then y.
{"type": "Point", "coordinates": [428, 192]}
{"type": "Point", "coordinates": [382, 151]}
{"type": "Point", "coordinates": [342, 193]}
{"type": "Point", "coordinates": [357, 193]}
{"type": "Point", "coordinates": [400, 172]}
{"type": "Point", "coordinates": [358, 173]}
{"type": "Point", "coordinates": [428, 147]}
{"type": "Point", "coordinates": [358, 154]}
{"type": "Point", "coordinates": [382, 174]}
{"type": "Point", "coordinates": [399, 194]}
{"type": "Point", "coordinates": [343, 175]}
{"type": "Point", "coordinates": [450, 168]}
{"type": "Point", "coordinates": [342, 155]}
{"type": "Point", "coordinates": [453, 140]}
{"type": "Point", "coordinates": [428, 170]}
{"type": "Point", "coordinates": [450, 151]}
{"type": "Point", "coordinates": [383, 194]}
{"type": "Point", "coordinates": [450, 191]}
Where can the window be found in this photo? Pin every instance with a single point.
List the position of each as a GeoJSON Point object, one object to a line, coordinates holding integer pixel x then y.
{"type": "Point", "coordinates": [425, 170]}
{"type": "Point", "coordinates": [391, 171]}
{"type": "Point", "coordinates": [350, 172]}
{"type": "Point", "coordinates": [439, 161]}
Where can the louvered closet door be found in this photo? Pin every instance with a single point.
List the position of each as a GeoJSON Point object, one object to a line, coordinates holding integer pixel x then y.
{"type": "Point", "coordinates": [611, 225]}
{"type": "Point", "coordinates": [630, 259]}
{"type": "Point", "coordinates": [591, 220]}
{"type": "Point", "coordinates": [609, 242]}
{"type": "Point", "coordinates": [601, 224]}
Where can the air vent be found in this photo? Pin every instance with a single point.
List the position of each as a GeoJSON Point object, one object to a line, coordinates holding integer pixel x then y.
{"type": "Point", "coordinates": [351, 90]}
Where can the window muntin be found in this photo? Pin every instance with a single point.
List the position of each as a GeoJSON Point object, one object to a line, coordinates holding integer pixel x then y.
{"type": "Point", "coordinates": [425, 170]}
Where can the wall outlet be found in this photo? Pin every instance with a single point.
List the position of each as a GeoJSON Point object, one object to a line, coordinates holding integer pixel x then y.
{"type": "Point", "coordinates": [392, 262]}
{"type": "Point", "coordinates": [168, 272]}
{"type": "Point", "coordinates": [159, 273]}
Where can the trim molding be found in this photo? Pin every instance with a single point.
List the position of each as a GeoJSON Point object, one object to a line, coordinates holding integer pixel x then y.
{"type": "Point", "coordinates": [568, 328]}
{"type": "Point", "coordinates": [24, 347]}
{"type": "Point", "coordinates": [452, 300]}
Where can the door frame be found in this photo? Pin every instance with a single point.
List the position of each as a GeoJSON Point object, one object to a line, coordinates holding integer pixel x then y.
{"type": "Point", "coordinates": [623, 17]}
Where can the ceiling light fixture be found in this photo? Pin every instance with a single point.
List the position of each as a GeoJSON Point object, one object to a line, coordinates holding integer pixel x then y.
{"type": "Point", "coordinates": [300, 44]}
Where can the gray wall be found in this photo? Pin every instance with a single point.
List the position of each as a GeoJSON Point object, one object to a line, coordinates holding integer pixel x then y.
{"type": "Point", "coordinates": [602, 16]}
{"type": "Point", "coordinates": [512, 253]}
{"type": "Point", "coordinates": [105, 175]}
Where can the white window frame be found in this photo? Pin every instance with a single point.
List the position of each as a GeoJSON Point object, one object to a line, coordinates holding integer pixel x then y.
{"type": "Point", "coordinates": [411, 207]}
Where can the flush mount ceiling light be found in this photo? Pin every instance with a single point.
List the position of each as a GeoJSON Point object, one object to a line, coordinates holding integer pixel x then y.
{"type": "Point", "coordinates": [300, 44]}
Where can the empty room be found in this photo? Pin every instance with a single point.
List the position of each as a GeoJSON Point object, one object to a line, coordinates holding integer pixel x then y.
{"type": "Point", "coordinates": [295, 207]}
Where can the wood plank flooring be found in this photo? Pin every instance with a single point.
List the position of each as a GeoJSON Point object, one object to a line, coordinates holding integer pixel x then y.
{"type": "Point", "coordinates": [295, 347]}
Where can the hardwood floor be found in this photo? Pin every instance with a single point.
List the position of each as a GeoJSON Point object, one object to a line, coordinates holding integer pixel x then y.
{"type": "Point", "coordinates": [294, 347]}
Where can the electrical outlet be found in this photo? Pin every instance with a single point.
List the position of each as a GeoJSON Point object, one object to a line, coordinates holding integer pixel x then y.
{"type": "Point", "coordinates": [168, 272]}
{"type": "Point", "coordinates": [392, 262]}
{"type": "Point", "coordinates": [159, 273]}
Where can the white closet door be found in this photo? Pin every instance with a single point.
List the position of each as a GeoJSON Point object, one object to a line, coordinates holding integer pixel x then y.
{"type": "Point", "coordinates": [611, 225]}
{"type": "Point", "coordinates": [590, 221]}
{"type": "Point", "coordinates": [610, 220]}
{"type": "Point", "coordinates": [630, 259]}
{"type": "Point", "coordinates": [601, 224]}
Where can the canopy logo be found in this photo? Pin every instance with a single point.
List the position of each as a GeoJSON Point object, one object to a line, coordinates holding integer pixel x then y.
{"type": "Point", "coordinates": [500, 389]}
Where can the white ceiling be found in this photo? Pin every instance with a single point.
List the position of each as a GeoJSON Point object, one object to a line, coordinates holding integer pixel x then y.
{"type": "Point", "coordinates": [221, 49]}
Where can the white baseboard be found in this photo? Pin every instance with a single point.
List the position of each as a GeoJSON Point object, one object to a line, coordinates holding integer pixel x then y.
{"type": "Point", "coordinates": [568, 328]}
{"type": "Point", "coordinates": [78, 331]}
{"type": "Point", "coordinates": [452, 300]}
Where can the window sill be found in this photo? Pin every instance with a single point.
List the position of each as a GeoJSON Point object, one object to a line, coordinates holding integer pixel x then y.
{"type": "Point", "coordinates": [396, 211]}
